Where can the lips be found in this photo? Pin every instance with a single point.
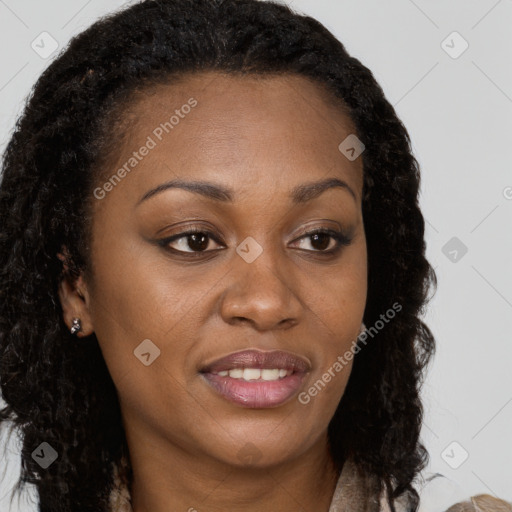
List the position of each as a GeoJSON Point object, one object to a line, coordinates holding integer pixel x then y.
{"type": "Point", "coordinates": [259, 359]}
{"type": "Point", "coordinates": [257, 379]}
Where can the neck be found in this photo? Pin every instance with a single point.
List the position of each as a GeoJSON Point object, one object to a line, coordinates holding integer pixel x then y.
{"type": "Point", "coordinates": [175, 480]}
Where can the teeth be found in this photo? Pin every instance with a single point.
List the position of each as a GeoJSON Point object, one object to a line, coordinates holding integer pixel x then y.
{"type": "Point", "coordinates": [252, 374]}
{"type": "Point", "coordinates": [255, 373]}
{"type": "Point", "coordinates": [270, 374]}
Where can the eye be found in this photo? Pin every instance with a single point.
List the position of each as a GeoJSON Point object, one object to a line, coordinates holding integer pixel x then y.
{"type": "Point", "coordinates": [196, 241]}
{"type": "Point", "coordinates": [326, 241]}
{"type": "Point", "coordinates": [193, 241]}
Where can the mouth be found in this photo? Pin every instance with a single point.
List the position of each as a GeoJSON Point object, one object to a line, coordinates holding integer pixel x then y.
{"type": "Point", "coordinates": [257, 379]}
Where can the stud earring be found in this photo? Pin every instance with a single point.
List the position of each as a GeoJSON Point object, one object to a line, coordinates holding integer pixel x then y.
{"type": "Point", "coordinates": [77, 326]}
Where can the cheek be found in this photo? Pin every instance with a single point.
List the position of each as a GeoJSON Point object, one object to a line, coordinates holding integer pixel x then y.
{"type": "Point", "coordinates": [339, 298]}
{"type": "Point", "coordinates": [143, 319]}
{"type": "Point", "coordinates": [339, 305]}
{"type": "Point", "coordinates": [127, 305]}
{"type": "Point", "coordinates": [324, 391]}
{"type": "Point", "coordinates": [143, 303]}
{"type": "Point", "coordinates": [154, 396]}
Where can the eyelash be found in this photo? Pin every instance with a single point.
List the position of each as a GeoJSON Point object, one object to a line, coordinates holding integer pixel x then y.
{"type": "Point", "coordinates": [341, 238]}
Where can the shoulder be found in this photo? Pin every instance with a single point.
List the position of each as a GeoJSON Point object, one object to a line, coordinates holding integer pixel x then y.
{"type": "Point", "coordinates": [439, 493]}
{"type": "Point", "coordinates": [482, 503]}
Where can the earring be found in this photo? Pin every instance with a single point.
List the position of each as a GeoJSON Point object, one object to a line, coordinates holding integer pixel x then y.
{"type": "Point", "coordinates": [77, 326]}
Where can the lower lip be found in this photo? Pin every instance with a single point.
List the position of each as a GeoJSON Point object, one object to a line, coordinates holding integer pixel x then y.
{"type": "Point", "coordinates": [256, 394]}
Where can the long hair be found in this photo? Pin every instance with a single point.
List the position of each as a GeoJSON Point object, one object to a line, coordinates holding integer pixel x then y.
{"type": "Point", "coordinates": [59, 392]}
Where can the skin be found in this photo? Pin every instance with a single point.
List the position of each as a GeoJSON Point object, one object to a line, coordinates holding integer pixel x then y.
{"type": "Point", "coordinates": [260, 137]}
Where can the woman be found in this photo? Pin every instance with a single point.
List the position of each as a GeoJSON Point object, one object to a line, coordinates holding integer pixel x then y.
{"type": "Point", "coordinates": [173, 334]}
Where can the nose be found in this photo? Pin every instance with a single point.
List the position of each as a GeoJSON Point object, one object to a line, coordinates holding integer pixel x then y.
{"type": "Point", "coordinates": [261, 293]}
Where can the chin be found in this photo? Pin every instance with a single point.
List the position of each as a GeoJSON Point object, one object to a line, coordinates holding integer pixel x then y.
{"type": "Point", "coordinates": [262, 448]}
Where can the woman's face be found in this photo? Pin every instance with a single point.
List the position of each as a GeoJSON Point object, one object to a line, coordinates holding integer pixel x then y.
{"type": "Point", "coordinates": [164, 311]}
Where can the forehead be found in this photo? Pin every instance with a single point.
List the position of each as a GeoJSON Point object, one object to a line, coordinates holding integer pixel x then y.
{"type": "Point", "coordinates": [233, 91]}
{"type": "Point", "coordinates": [247, 128]}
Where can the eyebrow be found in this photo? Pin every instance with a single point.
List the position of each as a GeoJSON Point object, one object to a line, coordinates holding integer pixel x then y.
{"type": "Point", "coordinates": [299, 195]}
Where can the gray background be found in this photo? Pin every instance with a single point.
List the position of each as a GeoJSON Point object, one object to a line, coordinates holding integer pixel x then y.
{"type": "Point", "coordinates": [457, 109]}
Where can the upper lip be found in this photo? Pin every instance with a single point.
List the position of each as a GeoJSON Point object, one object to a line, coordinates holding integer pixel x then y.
{"type": "Point", "coordinates": [258, 359]}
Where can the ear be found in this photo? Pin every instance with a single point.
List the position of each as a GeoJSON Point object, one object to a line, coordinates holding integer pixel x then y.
{"type": "Point", "coordinates": [74, 298]}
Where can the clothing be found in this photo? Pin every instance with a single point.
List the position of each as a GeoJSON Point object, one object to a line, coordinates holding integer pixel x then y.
{"type": "Point", "coordinates": [355, 492]}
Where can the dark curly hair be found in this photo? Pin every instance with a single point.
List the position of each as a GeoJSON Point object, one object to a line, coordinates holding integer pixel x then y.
{"type": "Point", "coordinates": [61, 392]}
